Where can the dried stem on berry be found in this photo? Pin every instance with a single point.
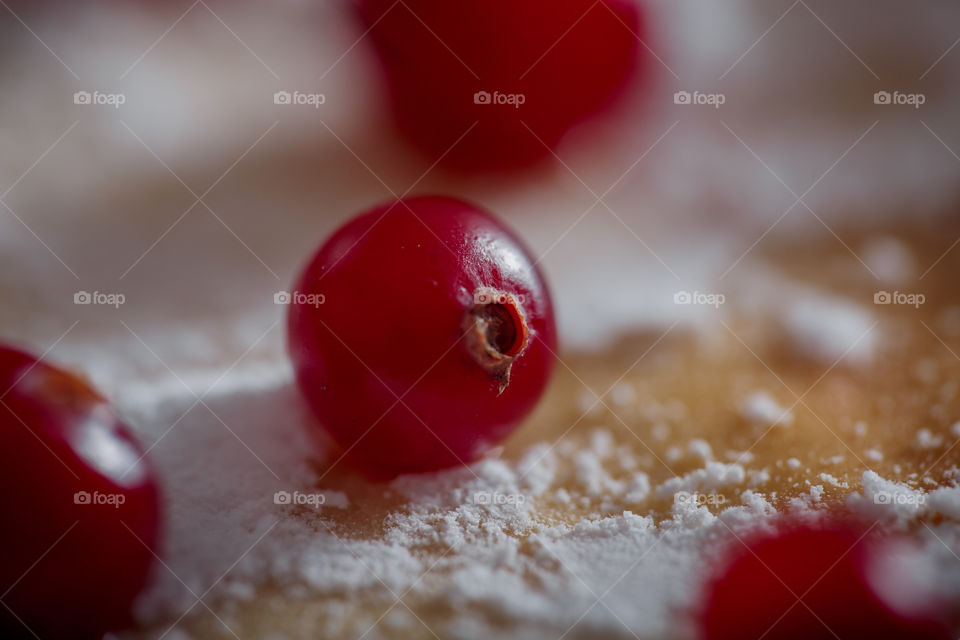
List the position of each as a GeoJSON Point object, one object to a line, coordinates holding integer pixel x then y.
{"type": "Point", "coordinates": [496, 332]}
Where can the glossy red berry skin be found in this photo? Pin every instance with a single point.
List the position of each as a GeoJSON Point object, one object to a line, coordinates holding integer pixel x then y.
{"type": "Point", "coordinates": [831, 568]}
{"type": "Point", "coordinates": [569, 59]}
{"type": "Point", "coordinates": [58, 437]}
{"type": "Point", "coordinates": [403, 315]}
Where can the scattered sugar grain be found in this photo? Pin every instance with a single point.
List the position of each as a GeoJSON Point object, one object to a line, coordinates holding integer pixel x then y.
{"type": "Point", "coordinates": [760, 407]}
{"type": "Point", "coordinates": [927, 440]}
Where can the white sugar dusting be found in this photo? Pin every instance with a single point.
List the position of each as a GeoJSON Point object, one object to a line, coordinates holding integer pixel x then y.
{"type": "Point", "coordinates": [701, 449]}
{"type": "Point", "coordinates": [926, 439]}
{"type": "Point", "coordinates": [816, 324]}
{"type": "Point", "coordinates": [480, 515]}
{"type": "Point", "coordinates": [478, 533]}
{"type": "Point", "coordinates": [945, 501]}
{"type": "Point", "coordinates": [831, 480]}
{"type": "Point", "coordinates": [830, 328]}
{"type": "Point", "coordinates": [806, 501]}
{"type": "Point", "coordinates": [884, 499]}
{"type": "Point", "coordinates": [761, 407]}
{"type": "Point", "coordinates": [713, 476]}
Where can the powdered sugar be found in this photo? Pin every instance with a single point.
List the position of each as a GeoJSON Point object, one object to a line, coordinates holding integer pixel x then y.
{"type": "Point", "coordinates": [806, 501]}
{"type": "Point", "coordinates": [762, 408]}
{"type": "Point", "coordinates": [713, 476]}
{"type": "Point", "coordinates": [883, 499]}
{"type": "Point", "coordinates": [926, 439]}
{"type": "Point", "coordinates": [829, 479]}
{"type": "Point", "coordinates": [945, 501]}
{"type": "Point", "coordinates": [464, 528]}
{"type": "Point", "coordinates": [472, 537]}
{"type": "Point", "coordinates": [830, 328]}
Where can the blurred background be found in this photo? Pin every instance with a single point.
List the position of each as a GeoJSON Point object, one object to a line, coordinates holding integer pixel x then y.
{"type": "Point", "coordinates": [197, 197]}
{"type": "Point", "coordinates": [155, 196]}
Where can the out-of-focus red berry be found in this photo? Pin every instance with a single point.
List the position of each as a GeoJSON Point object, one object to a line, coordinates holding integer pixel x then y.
{"type": "Point", "coordinates": [809, 583]}
{"type": "Point", "coordinates": [75, 494]}
{"type": "Point", "coordinates": [506, 66]}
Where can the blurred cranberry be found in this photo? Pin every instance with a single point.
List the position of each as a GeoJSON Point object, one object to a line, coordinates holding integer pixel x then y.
{"type": "Point", "coordinates": [546, 64]}
{"type": "Point", "coordinates": [75, 497]}
{"type": "Point", "coordinates": [808, 583]}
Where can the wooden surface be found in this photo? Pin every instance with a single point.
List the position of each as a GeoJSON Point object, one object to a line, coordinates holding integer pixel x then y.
{"type": "Point", "coordinates": [695, 386]}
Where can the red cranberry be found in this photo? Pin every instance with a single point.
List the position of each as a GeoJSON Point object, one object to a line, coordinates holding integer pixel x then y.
{"type": "Point", "coordinates": [564, 59]}
{"type": "Point", "coordinates": [832, 569]}
{"type": "Point", "coordinates": [422, 334]}
{"type": "Point", "coordinates": [76, 496]}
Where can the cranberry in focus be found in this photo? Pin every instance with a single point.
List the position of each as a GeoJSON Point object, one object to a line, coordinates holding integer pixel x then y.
{"type": "Point", "coordinates": [449, 65]}
{"type": "Point", "coordinates": [422, 334]}
{"type": "Point", "coordinates": [833, 570]}
{"type": "Point", "coordinates": [76, 496]}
